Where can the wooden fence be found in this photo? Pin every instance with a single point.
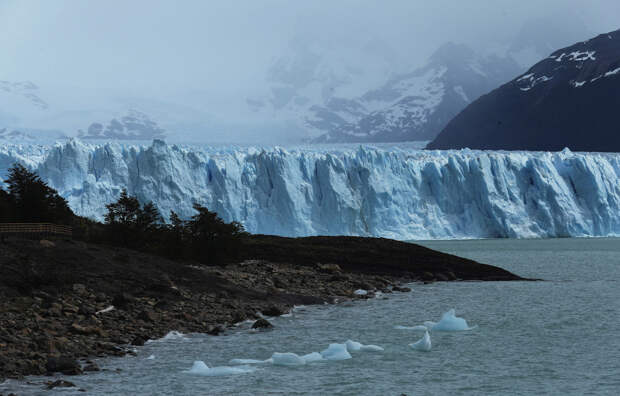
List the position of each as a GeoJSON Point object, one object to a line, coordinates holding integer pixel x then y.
{"type": "Point", "coordinates": [42, 229]}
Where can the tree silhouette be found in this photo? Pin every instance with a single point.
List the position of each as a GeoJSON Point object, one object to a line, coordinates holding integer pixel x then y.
{"type": "Point", "coordinates": [32, 200]}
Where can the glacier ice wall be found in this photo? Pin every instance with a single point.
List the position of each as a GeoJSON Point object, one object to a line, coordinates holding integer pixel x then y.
{"type": "Point", "coordinates": [394, 193]}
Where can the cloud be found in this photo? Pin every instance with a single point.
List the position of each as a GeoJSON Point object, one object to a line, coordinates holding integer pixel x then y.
{"type": "Point", "coordinates": [220, 51]}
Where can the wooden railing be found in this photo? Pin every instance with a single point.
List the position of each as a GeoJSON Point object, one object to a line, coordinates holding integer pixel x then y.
{"type": "Point", "coordinates": [35, 228]}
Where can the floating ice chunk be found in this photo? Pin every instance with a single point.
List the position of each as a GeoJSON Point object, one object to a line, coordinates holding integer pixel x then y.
{"type": "Point", "coordinates": [418, 327]}
{"type": "Point", "coordinates": [287, 359]}
{"type": "Point", "coordinates": [244, 322]}
{"type": "Point", "coordinates": [336, 352]}
{"type": "Point", "coordinates": [354, 346]}
{"type": "Point", "coordinates": [312, 357]}
{"type": "Point", "coordinates": [360, 292]}
{"type": "Point", "coordinates": [424, 344]}
{"type": "Point", "coordinates": [200, 368]}
{"type": "Point", "coordinates": [429, 325]}
{"type": "Point", "coordinates": [152, 357]}
{"type": "Point", "coordinates": [173, 335]}
{"type": "Point", "coordinates": [450, 322]}
{"type": "Point", "coordinates": [249, 361]}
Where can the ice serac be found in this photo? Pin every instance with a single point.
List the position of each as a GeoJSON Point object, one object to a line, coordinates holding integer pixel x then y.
{"type": "Point", "coordinates": [394, 193]}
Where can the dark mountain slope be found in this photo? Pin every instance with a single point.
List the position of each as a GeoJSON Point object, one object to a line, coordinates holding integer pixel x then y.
{"type": "Point", "coordinates": [570, 99]}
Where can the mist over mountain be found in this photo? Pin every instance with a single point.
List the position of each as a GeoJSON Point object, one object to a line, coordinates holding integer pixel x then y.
{"type": "Point", "coordinates": [280, 72]}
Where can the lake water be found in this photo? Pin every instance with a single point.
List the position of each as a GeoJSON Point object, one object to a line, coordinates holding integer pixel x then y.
{"type": "Point", "coordinates": [560, 336]}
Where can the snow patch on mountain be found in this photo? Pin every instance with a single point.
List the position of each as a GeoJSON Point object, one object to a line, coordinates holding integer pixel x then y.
{"type": "Point", "coordinates": [402, 194]}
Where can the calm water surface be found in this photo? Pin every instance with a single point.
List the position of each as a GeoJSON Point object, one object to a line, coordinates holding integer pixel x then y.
{"type": "Point", "coordinates": [560, 336]}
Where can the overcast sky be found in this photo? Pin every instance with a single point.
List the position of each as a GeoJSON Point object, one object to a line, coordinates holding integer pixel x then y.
{"type": "Point", "coordinates": [224, 45]}
{"type": "Point", "coordinates": [154, 48]}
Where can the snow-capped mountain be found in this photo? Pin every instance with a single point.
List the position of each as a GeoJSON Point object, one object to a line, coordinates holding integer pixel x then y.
{"type": "Point", "coordinates": [395, 193]}
{"type": "Point", "coordinates": [570, 99]}
{"type": "Point", "coordinates": [135, 125]}
{"type": "Point", "coordinates": [313, 73]}
{"type": "Point", "coordinates": [416, 105]}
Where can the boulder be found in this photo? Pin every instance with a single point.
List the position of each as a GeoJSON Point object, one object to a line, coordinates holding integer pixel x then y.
{"type": "Point", "coordinates": [59, 384]}
{"type": "Point", "coordinates": [91, 367]}
{"type": "Point", "coordinates": [262, 324]}
{"type": "Point", "coordinates": [122, 300]}
{"type": "Point", "coordinates": [329, 268]}
{"type": "Point", "coordinates": [215, 330]}
{"type": "Point", "coordinates": [441, 277]}
{"type": "Point", "coordinates": [63, 364]}
{"type": "Point", "coordinates": [138, 341]}
{"type": "Point", "coordinates": [273, 311]}
{"type": "Point", "coordinates": [147, 316]}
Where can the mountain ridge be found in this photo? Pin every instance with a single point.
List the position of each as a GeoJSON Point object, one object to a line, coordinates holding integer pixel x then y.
{"type": "Point", "coordinates": [568, 100]}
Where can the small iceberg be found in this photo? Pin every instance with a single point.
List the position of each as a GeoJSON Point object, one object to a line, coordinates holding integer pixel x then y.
{"type": "Point", "coordinates": [312, 357]}
{"type": "Point", "coordinates": [450, 322]}
{"type": "Point", "coordinates": [152, 357]}
{"type": "Point", "coordinates": [419, 327]}
{"type": "Point", "coordinates": [354, 346]}
{"type": "Point", "coordinates": [171, 336]}
{"type": "Point", "coordinates": [424, 344]}
{"type": "Point", "coordinates": [249, 361]}
{"type": "Point", "coordinates": [287, 359]}
{"type": "Point", "coordinates": [360, 292]}
{"type": "Point", "coordinates": [200, 368]}
{"type": "Point", "coordinates": [336, 352]}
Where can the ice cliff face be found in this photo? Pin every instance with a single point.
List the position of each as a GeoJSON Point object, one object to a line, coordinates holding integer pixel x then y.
{"type": "Point", "coordinates": [403, 194]}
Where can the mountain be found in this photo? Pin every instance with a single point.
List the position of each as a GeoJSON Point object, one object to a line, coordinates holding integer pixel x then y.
{"type": "Point", "coordinates": [571, 99]}
{"type": "Point", "coordinates": [314, 72]}
{"type": "Point", "coordinates": [135, 125]}
{"type": "Point", "coordinates": [416, 105]}
{"type": "Point", "coordinates": [402, 194]}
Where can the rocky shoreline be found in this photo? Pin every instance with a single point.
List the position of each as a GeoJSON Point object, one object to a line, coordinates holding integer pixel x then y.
{"type": "Point", "coordinates": [63, 302]}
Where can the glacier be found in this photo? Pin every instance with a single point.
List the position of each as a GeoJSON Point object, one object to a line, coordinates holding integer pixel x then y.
{"type": "Point", "coordinates": [400, 193]}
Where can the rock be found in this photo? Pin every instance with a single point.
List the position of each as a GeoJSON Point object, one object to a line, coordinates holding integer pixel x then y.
{"type": "Point", "coordinates": [441, 277]}
{"type": "Point", "coordinates": [338, 278]}
{"type": "Point", "coordinates": [401, 289]}
{"type": "Point", "coordinates": [91, 367]}
{"type": "Point", "coordinates": [147, 316]}
{"type": "Point", "coordinates": [138, 341]}
{"type": "Point", "coordinates": [63, 364]}
{"type": "Point", "coordinates": [59, 384]}
{"type": "Point", "coordinates": [329, 268]}
{"type": "Point", "coordinates": [80, 289]}
{"type": "Point", "coordinates": [427, 276]}
{"type": "Point", "coordinates": [215, 330]}
{"type": "Point", "coordinates": [47, 244]}
{"type": "Point", "coordinates": [279, 283]}
{"type": "Point", "coordinates": [86, 330]}
{"type": "Point", "coordinates": [451, 275]}
{"type": "Point", "coordinates": [72, 309]}
{"type": "Point", "coordinates": [272, 311]}
{"type": "Point", "coordinates": [262, 324]}
{"type": "Point", "coordinates": [122, 300]}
